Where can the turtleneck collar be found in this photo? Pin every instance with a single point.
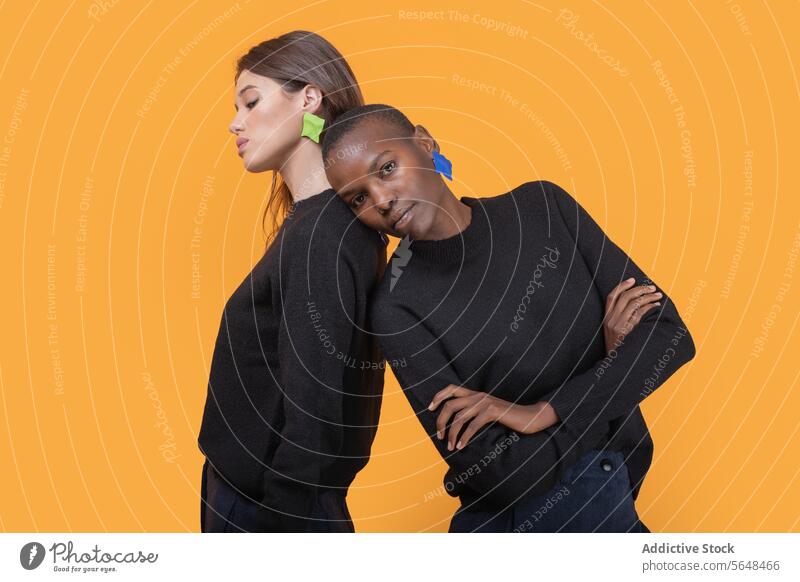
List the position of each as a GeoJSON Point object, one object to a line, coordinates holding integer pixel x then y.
{"type": "Point", "coordinates": [460, 246]}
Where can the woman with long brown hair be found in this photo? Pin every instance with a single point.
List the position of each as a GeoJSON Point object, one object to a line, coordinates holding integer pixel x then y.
{"type": "Point", "coordinates": [296, 378]}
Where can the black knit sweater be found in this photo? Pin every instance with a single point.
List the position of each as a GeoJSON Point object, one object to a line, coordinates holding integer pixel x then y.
{"type": "Point", "coordinates": [296, 378]}
{"type": "Point", "coordinates": [513, 306]}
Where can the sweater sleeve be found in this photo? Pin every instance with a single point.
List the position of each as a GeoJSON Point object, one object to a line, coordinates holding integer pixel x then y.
{"type": "Point", "coordinates": [318, 288]}
{"type": "Point", "coordinates": [498, 463]}
{"type": "Point", "coordinates": [649, 354]}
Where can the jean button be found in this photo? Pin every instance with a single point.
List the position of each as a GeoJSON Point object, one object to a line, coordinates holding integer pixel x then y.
{"type": "Point", "coordinates": [606, 465]}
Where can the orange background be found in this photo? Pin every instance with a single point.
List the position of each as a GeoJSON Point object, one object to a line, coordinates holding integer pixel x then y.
{"type": "Point", "coordinates": [119, 184]}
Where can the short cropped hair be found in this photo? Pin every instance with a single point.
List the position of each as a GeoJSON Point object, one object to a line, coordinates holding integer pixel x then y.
{"type": "Point", "coordinates": [352, 118]}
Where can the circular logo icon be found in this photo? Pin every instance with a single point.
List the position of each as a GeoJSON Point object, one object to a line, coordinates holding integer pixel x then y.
{"type": "Point", "coordinates": [31, 555]}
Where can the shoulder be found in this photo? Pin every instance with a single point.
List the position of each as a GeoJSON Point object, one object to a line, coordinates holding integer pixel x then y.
{"type": "Point", "coordinates": [544, 196]}
{"type": "Point", "coordinates": [535, 198]}
{"type": "Point", "coordinates": [331, 231]}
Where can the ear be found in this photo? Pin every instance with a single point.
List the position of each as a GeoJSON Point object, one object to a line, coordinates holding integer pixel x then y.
{"type": "Point", "coordinates": [424, 139]}
{"type": "Point", "coordinates": [312, 99]}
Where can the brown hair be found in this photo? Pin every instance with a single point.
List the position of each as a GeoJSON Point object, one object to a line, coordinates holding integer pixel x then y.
{"type": "Point", "coordinates": [297, 59]}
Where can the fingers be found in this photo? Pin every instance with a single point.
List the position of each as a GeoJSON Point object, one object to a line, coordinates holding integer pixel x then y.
{"type": "Point", "coordinates": [615, 292]}
{"type": "Point", "coordinates": [639, 313]}
{"type": "Point", "coordinates": [638, 303]}
{"type": "Point", "coordinates": [451, 407]}
{"type": "Point", "coordinates": [627, 296]}
{"type": "Point", "coordinates": [462, 416]}
{"type": "Point", "coordinates": [447, 392]}
{"type": "Point", "coordinates": [630, 300]}
{"type": "Point", "coordinates": [481, 420]}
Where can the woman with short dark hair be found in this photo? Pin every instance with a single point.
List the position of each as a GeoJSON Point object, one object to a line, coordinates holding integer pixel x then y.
{"type": "Point", "coordinates": [495, 311]}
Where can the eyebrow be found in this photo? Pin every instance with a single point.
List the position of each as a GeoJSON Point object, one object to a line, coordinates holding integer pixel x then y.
{"type": "Point", "coordinates": [246, 87]}
{"type": "Point", "coordinates": [370, 170]}
{"type": "Point", "coordinates": [375, 161]}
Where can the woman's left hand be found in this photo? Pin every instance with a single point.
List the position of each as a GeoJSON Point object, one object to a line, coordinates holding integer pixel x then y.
{"type": "Point", "coordinates": [476, 409]}
{"type": "Point", "coordinates": [625, 307]}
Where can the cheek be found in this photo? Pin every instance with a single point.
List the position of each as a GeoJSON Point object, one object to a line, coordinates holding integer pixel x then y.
{"type": "Point", "coordinates": [271, 139]}
{"type": "Point", "coordinates": [415, 182]}
{"type": "Point", "coordinates": [372, 219]}
{"type": "Point", "coordinates": [268, 126]}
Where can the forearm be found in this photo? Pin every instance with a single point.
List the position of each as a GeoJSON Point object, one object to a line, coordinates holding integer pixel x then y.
{"type": "Point", "coordinates": [503, 464]}
{"type": "Point", "coordinates": [658, 346]}
{"type": "Point", "coordinates": [529, 418]}
{"type": "Point", "coordinates": [651, 353]}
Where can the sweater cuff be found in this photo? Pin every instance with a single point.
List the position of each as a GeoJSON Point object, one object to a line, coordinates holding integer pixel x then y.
{"type": "Point", "coordinates": [570, 406]}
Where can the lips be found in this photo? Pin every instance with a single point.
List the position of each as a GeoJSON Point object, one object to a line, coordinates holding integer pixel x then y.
{"type": "Point", "coordinates": [240, 143]}
{"type": "Point", "coordinates": [401, 217]}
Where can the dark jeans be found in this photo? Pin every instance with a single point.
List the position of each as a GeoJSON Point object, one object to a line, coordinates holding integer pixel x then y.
{"type": "Point", "coordinates": [593, 496]}
{"type": "Point", "coordinates": [224, 510]}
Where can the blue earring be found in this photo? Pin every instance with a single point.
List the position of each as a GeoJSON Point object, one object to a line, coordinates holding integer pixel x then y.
{"type": "Point", "coordinates": [442, 165]}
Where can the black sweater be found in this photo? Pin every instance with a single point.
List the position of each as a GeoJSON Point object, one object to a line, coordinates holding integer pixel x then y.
{"type": "Point", "coordinates": [513, 306]}
{"type": "Point", "coordinates": [296, 378]}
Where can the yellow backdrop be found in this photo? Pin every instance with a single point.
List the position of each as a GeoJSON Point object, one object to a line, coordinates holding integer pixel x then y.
{"type": "Point", "coordinates": [127, 220]}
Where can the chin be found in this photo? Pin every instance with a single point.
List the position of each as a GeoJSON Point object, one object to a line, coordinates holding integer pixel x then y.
{"type": "Point", "coordinates": [256, 166]}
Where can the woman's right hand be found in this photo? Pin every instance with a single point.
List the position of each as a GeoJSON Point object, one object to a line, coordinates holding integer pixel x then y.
{"type": "Point", "coordinates": [625, 307]}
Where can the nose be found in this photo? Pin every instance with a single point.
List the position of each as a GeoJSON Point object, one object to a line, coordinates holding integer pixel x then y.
{"type": "Point", "coordinates": [236, 125]}
{"type": "Point", "coordinates": [384, 200]}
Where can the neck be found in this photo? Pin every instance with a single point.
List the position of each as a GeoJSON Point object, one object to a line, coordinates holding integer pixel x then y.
{"type": "Point", "coordinates": [304, 171]}
{"type": "Point", "coordinates": [452, 218]}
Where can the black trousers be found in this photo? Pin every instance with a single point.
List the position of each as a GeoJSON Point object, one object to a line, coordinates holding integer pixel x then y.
{"type": "Point", "coordinates": [224, 510]}
{"type": "Point", "coordinates": [593, 496]}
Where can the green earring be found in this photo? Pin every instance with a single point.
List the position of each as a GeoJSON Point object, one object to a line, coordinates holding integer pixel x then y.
{"type": "Point", "coordinates": [312, 126]}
